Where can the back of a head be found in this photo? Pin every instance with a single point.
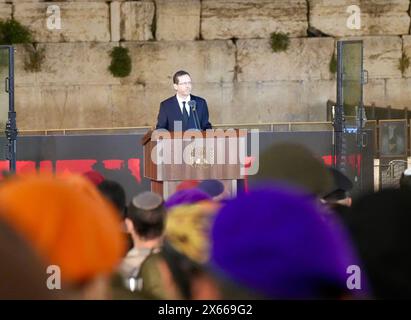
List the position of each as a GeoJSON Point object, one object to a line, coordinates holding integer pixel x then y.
{"type": "Point", "coordinates": [184, 197]}
{"type": "Point", "coordinates": [170, 273]}
{"type": "Point", "coordinates": [294, 164]}
{"type": "Point", "coordinates": [67, 222]}
{"type": "Point", "coordinates": [340, 187]}
{"type": "Point", "coordinates": [213, 188]}
{"type": "Point", "coordinates": [147, 213]}
{"type": "Point", "coordinates": [115, 193]}
{"type": "Point", "coordinates": [277, 243]}
{"type": "Point", "coordinates": [22, 273]}
{"type": "Point", "coordinates": [380, 225]}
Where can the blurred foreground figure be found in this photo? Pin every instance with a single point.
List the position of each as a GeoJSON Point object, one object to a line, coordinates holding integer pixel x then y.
{"type": "Point", "coordinates": [178, 271]}
{"type": "Point", "coordinates": [187, 196]}
{"type": "Point", "coordinates": [277, 243]}
{"type": "Point", "coordinates": [295, 165]}
{"type": "Point", "coordinates": [69, 225]}
{"type": "Point", "coordinates": [380, 225]}
{"type": "Point", "coordinates": [214, 188]}
{"type": "Point", "coordinates": [22, 273]}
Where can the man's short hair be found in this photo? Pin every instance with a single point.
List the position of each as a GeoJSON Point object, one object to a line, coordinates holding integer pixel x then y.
{"type": "Point", "coordinates": [147, 213]}
{"type": "Point", "coordinates": [115, 193]}
{"type": "Point", "coordinates": [179, 74]}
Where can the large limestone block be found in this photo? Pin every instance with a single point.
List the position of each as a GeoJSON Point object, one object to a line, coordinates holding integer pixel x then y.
{"type": "Point", "coordinates": [381, 56]}
{"type": "Point", "coordinates": [219, 98]}
{"type": "Point", "coordinates": [265, 102]}
{"type": "Point", "coordinates": [136, 20]}
{"type": "Point", "coordinates": [305, 59]}
{"type": "Point", "coordinates": [398, 93]}
{"type": "Point", "coordinates": [178, 19]}
{"type": "Point", "coordinates": [80, 21]}
{"type": "Point", "coordinates": [374, 92]}
{"type": "Point", "coordinates": [406, 45]}
{"type": "Point", "coordinates": [206, 61]}
{"type": "Point", "coordinates": [315, 95]}
{"type": "Point", "coordinates": [252, 18]}
{"type": "Point", "coordinates": [378, 17]}
{"type": "Point", "coordinates": [68, 63]}
{"type": "Point", "coordinates": [137, 105]}
{"type": "Point", "coordinates": [58, 107]}
{"type": "Point", "coordinates": [30, 112]}
{"type": "Point", "coordinates": [115, 19]}
{"type": "Point", "coordinates": [5, 11]}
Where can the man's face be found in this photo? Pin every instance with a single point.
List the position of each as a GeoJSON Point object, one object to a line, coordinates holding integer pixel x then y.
{"type": "Point", "coordinates": [183, 87]}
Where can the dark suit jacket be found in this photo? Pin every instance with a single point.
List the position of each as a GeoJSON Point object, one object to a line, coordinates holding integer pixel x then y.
{"type": "Point", "coordinates": [170, 111]}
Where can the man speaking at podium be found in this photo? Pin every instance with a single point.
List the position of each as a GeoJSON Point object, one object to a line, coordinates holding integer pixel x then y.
{"type": "Point", "coordinates": [190, 110]}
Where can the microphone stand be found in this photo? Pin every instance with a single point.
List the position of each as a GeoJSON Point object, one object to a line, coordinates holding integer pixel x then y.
{"type": "Point", "coordinates": [195, 115]}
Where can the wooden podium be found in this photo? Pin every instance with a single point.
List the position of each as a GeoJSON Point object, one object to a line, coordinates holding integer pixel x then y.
{"type": "Point", "coordinates": [172, 157]}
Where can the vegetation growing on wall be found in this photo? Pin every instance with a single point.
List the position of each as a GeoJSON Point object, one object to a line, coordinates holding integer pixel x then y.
{"type": "Point", "coordinates": [120, 62]}
{"type": "Point", "coordinates": [279, 41]}
{"type": "Point", "coordinates": [333, 64]}
{"type": "Point", "coordinates": [34, 58]}
{"type": "Point", "coordinates": [403, 63]}
{"type": "Point", "coordinates": [13, 32]}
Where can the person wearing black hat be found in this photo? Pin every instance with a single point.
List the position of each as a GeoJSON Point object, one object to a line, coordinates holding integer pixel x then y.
{"type": "Point", "coordinates": [338, 198]}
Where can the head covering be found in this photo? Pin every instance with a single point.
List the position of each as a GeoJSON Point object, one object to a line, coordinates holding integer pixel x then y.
{"type": "Point", "coordinates": [22, 273]}
{"type": "Point", "coordinates": [189, 196]}
{"type": "Point", "coordinates": [67, 221]}
{"type": "Point", "coordinates": [147, 212]}
{"type": "Point", "coordinates": [94, 176]}
{"type": "Point", "coordinates": [146, 201]}
{"type": "Point", "coordinates": [276, 242]}
{"type": "Point", "coordinates": [294, 164]}
{"type": "Point", "coordinates": [188, 229]}
{"type": "Point", "coordinates": [212, 187]}
{"type": "Point", "coordinates": [341, 185]}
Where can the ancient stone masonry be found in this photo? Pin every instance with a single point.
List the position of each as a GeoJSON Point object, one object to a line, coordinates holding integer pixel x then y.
{"type": "Point", "coordinates": [224, 44]}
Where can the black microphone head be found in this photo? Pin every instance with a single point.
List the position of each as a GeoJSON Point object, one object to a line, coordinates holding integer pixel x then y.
{"type": "Point", "coordinates": [192, 104]}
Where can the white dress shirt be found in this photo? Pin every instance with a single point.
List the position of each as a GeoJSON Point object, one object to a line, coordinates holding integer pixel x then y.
{"type": "Point", "coordinates": [180, 103]}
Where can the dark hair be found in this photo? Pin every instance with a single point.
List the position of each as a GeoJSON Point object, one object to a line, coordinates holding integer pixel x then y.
{"type": "Point", "coordinates": [115, 193]}
{"type": "Point", "coordinates": [148, 224]}
{"type": "Point", "coordinates": [179, 74]}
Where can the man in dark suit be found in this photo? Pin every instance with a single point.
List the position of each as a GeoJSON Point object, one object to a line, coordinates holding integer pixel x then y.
{"type": "Point", "coordinates": [191, 111]}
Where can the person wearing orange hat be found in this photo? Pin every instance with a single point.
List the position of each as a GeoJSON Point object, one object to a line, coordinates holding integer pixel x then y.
{"type": "Point", "coordinates": [70, 225]}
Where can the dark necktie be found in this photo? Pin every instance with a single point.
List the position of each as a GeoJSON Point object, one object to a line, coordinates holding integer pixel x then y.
{"type": "Point", "coordinates": [185, 116]}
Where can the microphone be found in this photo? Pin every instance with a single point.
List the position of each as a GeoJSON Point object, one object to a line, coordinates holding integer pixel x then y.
{"type": "Point", "coordinates": [192, 104]}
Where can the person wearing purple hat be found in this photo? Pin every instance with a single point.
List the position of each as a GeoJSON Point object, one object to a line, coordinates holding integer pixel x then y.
{"type": "Point", "coordinates": [214, 188]}
{"type": "Point", "coordinates": [277, 243]}
{"type": "Point", "coordinates": [187, 196]}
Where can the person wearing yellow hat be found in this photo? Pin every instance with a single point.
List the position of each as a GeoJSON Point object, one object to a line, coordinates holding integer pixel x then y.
{"type": "Point", "coordinates": [177, 271]}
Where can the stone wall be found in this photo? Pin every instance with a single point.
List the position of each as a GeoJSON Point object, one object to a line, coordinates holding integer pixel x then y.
{"type": "Point", "coordinates": [224, 44]}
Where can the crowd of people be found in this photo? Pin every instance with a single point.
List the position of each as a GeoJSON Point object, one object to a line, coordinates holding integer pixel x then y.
{"type": "Point", "coordinates": [295, 233]}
